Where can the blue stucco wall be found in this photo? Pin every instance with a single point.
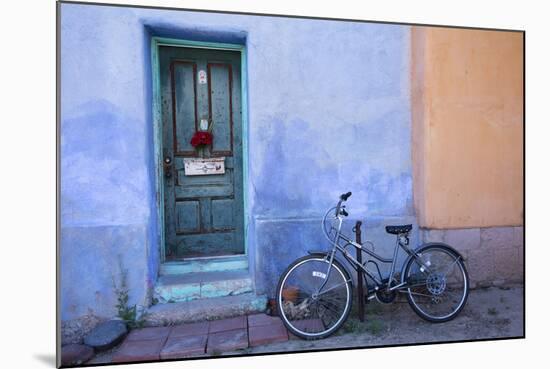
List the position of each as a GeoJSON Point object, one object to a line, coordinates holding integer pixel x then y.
{"type": "Point", "coordinates": [328, 112]}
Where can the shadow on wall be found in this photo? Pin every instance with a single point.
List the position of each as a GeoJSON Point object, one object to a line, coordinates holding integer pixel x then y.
{"type": "Point", "coordinates": [305, 168]}
{"type": "Point", "coordinates": [103, 172]}
{"type": "Point", "coordinates": [170, 30]}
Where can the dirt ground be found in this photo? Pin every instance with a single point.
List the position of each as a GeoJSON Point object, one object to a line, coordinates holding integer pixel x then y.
{"type": "Point", "coordinates": [489, 313]}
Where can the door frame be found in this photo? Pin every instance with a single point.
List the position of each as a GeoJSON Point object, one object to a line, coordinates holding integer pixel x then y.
{"type": "Point", "coordinates": [156, 42]}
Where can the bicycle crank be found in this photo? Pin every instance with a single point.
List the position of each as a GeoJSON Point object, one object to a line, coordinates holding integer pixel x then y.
{"type": "Point", "coordinates": [385, 297]}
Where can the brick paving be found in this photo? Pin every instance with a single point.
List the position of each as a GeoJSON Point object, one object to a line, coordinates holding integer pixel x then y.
{"type": "Point", "coordinates": [222, 325]}
{"type": "Point", "coordinates": [191, 329]}
{"type": "Point", "coordinates": [202, 338]}
{"type": "Point", "coordinates": [220, 342]}
{"type": "Point", "coordinates": [138, 351]}
{"type": "Point", "coordinates": [307, 325]}
{"type": "Point", "coordinates": [265, 334]}
{"type": "Point", "coordinates": [145, 334]}
{"type": "Point", "coordinates": [264, 329]}
{"type": "Point", "coordinates": [180, 347]}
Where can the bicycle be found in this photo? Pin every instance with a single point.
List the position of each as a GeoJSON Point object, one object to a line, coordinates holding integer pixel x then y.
{"type": "Point", "coordinates": [314, 293]}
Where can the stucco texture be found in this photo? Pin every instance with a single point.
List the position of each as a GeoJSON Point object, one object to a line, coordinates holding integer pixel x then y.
{"type": "Point", "coordinates": [328, 112]}
{"type": "Point", "coordinates": [467, 113]}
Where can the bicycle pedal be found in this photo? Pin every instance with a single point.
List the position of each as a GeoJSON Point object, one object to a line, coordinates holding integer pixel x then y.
{"type": "Point", "coordinates": [368, 298]}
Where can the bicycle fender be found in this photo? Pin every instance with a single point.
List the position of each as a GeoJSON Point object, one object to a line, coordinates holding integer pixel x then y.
{"type": "Point", "coordinates": [318, 253]}
{"type": "Point", "coordinates": [425, 246]}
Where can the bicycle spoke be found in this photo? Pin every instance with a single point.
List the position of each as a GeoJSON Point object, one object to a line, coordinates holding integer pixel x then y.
{"type": "Point", "coordinates": [450, 266]}
{"type": "Point", "coordinates": [423, 283]}
{"type": "Point", "coordinates": [331, 311]}
{"type": "Point", "coordinates": [334, 287]}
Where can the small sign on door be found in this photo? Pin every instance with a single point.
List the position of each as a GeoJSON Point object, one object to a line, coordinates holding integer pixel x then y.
{"type": "Point", "coordinates": [200, 167]}
{"type": "Point", "coordinates": [202, 77]}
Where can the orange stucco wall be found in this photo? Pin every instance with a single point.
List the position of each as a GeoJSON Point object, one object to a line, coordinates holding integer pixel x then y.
{"type": "Point", "coordinates": [467, 114]}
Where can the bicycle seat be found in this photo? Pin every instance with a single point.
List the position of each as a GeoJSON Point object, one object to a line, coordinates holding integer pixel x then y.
{"type": "Point", "coordinates": [397, 229]}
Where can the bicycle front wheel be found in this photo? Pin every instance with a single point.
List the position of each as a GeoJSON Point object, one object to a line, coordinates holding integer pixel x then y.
{"type": "Point", "coordinates": [437, 291]}
{"type": "Point", "coordinates": [312, 301]}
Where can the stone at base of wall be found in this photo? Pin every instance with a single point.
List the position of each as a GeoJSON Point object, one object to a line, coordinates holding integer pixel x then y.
{"type": "Point", "coordinates": [74, 330]}
{"type": "Point", "coordinates": [494, 256]}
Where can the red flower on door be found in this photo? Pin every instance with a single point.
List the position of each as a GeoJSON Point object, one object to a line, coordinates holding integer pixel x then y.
{"type": "Point", "coordinates": [201, 138]}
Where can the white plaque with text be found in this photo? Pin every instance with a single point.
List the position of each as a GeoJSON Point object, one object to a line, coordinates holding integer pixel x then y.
{"type": "Point", "coordinates": [200, 167]}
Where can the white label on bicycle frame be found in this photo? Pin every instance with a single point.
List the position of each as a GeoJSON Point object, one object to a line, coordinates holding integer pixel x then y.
{"type": "Point", "coordinates": [319, 274]}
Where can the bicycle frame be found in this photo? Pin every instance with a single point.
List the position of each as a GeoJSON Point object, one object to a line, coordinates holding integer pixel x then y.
{"type": "Point", "coordinates": [336, 247]}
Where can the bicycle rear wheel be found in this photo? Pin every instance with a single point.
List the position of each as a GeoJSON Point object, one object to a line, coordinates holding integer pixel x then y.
{"type": "Point", "coordinates": [439, 293]}
{"type": "Point", "coordinates": [306, 310]}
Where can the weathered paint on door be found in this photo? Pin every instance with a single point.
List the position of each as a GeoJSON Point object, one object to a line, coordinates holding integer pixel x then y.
{"type": "Point", "coordinates": [203, 213]}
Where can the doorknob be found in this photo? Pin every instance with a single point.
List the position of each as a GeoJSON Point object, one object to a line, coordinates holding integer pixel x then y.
{"type": "Point", "coordinates": [167, 164]}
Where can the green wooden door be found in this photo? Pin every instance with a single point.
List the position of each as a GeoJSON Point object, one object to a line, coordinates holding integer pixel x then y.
{"type": "Point", "coordinates": [203, 214]}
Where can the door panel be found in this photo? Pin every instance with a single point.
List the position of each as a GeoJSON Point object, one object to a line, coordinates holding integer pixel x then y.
{"type": "Point", "coordinates": [220, 107]}
{"type": "Point", "coordinates": [187, 216]}
{"type": "Point", "coordinates": [203, 213]}
{"type": "Point", "coordinates": [184, 107]}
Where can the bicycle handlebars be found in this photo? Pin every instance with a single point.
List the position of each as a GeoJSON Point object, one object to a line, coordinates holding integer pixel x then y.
{"type": "Point", "coordinates": [338, 209]}
{"type": "Point", "coordinates": [343, 197]}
